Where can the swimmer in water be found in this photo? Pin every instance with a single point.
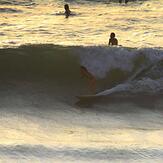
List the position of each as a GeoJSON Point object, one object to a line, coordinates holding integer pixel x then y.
{"type": "Point", "coordinates": [67, 10]}
{"type": "Point", "coordinates": [112, 40]}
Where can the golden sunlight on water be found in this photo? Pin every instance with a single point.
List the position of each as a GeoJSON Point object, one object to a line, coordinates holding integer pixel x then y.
{"type": "Point", "coordinates": [38, 105]}
{"type": "Point", "coordinates": [23, 129]}
{"type": "Point", "coordinates": [135, 25]}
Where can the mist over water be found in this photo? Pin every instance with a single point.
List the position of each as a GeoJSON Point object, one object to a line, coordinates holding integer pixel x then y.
{"type": "Point", "coordinates": [42, 120]}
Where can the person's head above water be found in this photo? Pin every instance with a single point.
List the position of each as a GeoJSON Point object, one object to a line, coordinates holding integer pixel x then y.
{"type": "Point", "coordinates": [113, 40]}
{"type": "Point", "coordinates": [66, 6]}
{"type": "Point", "coordinates": [112, 35]}
{"type": "Point", "coordinates": [67, 10]}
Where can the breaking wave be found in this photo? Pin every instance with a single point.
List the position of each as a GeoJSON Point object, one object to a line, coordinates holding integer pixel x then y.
{"type": "Point", "coordinates": [34, 2]}
{"type": "Point", "coordinates": [119, 68]}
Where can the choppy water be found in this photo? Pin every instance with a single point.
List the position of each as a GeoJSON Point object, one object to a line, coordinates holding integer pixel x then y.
{"type": "Point", "coordinates": [41, 119]}
{"type": "Point", "coordinates": [137, 24]}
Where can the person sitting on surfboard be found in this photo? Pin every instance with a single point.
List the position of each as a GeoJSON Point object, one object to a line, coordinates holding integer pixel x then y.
{"type": "Point", "coordinates": [90, 77]}
{"type": "Point", "coordinates": [112, 40]}
{"type": "Point", "coordinates": [67, 10]}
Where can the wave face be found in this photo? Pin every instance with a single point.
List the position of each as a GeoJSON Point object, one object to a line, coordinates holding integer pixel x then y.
{"type": "Point", "coordinates": [140, 69]}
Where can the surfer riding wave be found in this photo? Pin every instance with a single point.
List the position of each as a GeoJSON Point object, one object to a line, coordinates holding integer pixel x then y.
{"type": "Point", "coordinates": [90, 77]}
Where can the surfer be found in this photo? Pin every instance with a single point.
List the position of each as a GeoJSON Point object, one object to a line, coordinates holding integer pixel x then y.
{"type": "Point", "coordinates": [67, 10]}
{"type": "Point", "coordinates": [90, 77]}
{"type": "Point", "coordinates": [112, 40]}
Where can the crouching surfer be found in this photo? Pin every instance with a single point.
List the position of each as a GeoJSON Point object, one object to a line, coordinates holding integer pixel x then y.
{"type": "Point", "coordinates": [90, 77]}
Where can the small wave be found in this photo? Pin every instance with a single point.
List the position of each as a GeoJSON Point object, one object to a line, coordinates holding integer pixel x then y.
{"type": "Point", "coordinates": [101, 1]}
{"type": "Point", "coordinates": [79, 153]}
{"type": "Point", "coordinates": [2, 34]}
{"type": "Point", "coordinates": [6, 24]}
{"type": "Point", "coordinates": [9, 10]}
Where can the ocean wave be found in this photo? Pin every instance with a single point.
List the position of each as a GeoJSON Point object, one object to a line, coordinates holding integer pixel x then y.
{"type": "Point", "coordinates": [137, 69]}
{"type": "Point", "coordinates": [41, 151]}
{"type": "Point", "coordinates": [16, 2]}
{"type": "Point", "coordinates": [101, 1]}
{"type": "Point", "coordinates": [34, 2]}
{"type": "Point", "coordinates": [9, 10]}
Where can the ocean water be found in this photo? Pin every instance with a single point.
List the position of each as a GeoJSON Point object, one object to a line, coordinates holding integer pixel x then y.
{"type": "Point", "coordinates": [137, 24]}
{"type": "Point", "coordinates": [41, 51]}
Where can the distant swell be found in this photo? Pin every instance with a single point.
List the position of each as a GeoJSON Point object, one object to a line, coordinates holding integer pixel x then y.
{"type": "Point", "coordinates": [15, 2]}
{"type": "Point", "coordinates": [33, 2]}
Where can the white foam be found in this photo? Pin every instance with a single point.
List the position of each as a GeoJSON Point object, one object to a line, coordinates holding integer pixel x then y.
{"type": "Point", "coordinates": [100, 60]}
{"type": "Point", "coordinates": [146, 85]}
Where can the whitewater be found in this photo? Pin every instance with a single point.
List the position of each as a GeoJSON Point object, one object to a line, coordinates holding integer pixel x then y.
{"type": "Point", "coordinates": [41, 51]}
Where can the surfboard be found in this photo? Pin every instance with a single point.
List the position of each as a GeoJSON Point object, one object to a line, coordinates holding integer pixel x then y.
{"type": "Point", "coordinates": [87, 97]}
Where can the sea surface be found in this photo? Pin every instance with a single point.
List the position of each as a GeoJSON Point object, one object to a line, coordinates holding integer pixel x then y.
{"type": "Point", "coordinates": [42, 120]}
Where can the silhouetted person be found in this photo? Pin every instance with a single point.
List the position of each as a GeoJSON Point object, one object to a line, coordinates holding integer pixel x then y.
{"type": "Point", "coordinates": [67, 10]}
{"type": "Point", "coordinates": [120, 1]}
{"type": "Point", "coordinates": [113, 40]}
